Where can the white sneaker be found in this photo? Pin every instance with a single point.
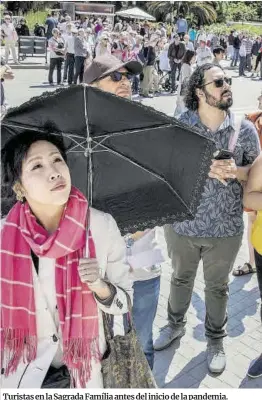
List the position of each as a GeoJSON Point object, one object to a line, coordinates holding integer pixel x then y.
{"type": "Point", "coordinates": [216, 358]}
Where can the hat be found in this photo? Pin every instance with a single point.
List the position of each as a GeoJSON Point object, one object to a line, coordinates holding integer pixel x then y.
{"type": "Point", "coordinates": [104, 65]}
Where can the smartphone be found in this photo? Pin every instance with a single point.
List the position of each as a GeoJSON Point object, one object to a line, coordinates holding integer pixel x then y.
{"type": "Point", "coordinates": [223, 155]}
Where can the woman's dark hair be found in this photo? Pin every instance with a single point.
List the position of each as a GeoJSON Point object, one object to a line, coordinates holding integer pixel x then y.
{"type": "Point", "coordinates": [196, 81]}
{"type": "Point", "coordinates": [15, 151]}
{"type": "Point", "coordinates": [189, 54]}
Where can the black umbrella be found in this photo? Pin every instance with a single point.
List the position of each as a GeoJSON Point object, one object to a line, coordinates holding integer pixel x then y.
{"type": "Point", "coordinates": [141, 166]}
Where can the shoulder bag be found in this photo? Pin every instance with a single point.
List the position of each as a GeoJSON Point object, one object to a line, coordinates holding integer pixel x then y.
{"type": "Point", "coordinates": [124, 364]}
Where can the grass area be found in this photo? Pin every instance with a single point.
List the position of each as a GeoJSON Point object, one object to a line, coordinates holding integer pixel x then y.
{"type": "Point", "coordinates": [225, 29]}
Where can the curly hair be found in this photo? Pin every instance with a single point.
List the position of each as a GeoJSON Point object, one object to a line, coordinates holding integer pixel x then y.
{"type": "Point", "coordinates": [196, 81]}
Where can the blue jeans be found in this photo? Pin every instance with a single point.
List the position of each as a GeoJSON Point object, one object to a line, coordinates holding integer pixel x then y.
{"type": "Point", "coordinates": [235, 57]}
{"type": "Point", "coordinates": [242, 65]}
{"type": "Point", "coordinates": [136, 83]}
{"type": "Point", "coordinates": [146, 294]}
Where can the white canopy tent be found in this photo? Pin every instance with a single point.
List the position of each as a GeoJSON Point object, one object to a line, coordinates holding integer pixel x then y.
{"type": "Point", "coordinates": [135, 13]}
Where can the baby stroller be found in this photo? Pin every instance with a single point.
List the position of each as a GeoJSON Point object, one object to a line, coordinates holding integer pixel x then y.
{"type": "Point", "coordinates": [165, 80]}
{"type": "Point", "coordinates": [164, 70]}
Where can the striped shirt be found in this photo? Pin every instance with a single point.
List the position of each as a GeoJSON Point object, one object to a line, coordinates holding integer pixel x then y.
{"type": "Point", "coordinates": [249, 45]}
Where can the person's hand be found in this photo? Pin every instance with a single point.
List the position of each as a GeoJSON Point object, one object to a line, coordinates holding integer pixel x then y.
{"type": "Point", "coordinates": [89, 270]}
{"type": "Point", "coordinates": [222, 170]}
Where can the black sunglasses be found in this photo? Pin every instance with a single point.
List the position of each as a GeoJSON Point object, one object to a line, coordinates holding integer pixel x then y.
{"type": "Point", "coordinates": [219, 83]}
{"type": "Point", "coordinates": [117, 76]}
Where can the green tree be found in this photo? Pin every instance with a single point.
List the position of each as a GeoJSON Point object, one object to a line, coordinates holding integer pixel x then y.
{"type": "Point", "coordinates": [239, 10]}
{"type": "Point", "coordinates": [200, 12]}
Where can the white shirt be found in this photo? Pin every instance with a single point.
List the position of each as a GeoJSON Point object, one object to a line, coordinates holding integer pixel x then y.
{"type": "Point", "coordinates": [9, 31]}
{"type": "Point", "coordinates": [69, 43]}
{"type": "Point", "coordinates": [46, 277]}
{"type": "Point", "coordinates": [189, 46]}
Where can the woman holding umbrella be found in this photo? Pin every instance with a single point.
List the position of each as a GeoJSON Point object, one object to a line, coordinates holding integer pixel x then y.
{"type": "Point", "coordinates": [55, 254]}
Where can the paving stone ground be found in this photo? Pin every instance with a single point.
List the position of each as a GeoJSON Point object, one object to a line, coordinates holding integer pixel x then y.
{"type": "Point", "coordinates": [183, 364]}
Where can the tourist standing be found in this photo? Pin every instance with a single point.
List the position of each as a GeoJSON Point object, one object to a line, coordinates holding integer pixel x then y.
{"type": "Point", "coordinates": [10, 37]}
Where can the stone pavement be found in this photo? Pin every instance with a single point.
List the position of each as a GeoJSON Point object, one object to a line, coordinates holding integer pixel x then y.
{"type": "Point", "coordinates": [183, 364]}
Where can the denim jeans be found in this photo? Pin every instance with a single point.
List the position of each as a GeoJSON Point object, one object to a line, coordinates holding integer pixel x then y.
{"type": "Point", "coordinates": [146, 294]}
{"type": "Point", "coordinates": [175, 68]}
{"type": "Point", "coordinates": [235, 57]}
{"type": "Point", "coordinates": [136, 83]}
{"type": "Point", "coordinates": [258, 259]}
{"type": "Point", "coordinates": [242, 65]}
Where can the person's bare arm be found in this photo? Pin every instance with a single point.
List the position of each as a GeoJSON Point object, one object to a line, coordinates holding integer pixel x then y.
{"type": "Point", "coordinates": [253, 188]}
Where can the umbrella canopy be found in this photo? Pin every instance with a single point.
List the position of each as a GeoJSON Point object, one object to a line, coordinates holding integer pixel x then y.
{"type": "Point", "coordinates": [135, 13]}
{"type": "Point", "coordinates": [140, 165]}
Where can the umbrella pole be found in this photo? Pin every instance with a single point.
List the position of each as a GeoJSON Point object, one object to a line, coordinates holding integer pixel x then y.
{"type": "Point", "coordinates": [88, 154]}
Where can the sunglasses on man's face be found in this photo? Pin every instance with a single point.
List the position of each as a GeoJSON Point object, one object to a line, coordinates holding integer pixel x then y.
{"type": "Point", "coordinates": [219, 83]}
{"type": "Point", "coordinates": [117, 76]}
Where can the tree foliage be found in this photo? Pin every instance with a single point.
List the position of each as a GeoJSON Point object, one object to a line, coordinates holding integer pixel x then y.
{"type": "Point", "coordinates": [200, 12]}
{"type": "Point", "coordinates": [240, 11]}
{"type": "Point", "coordinates": [207, 12]}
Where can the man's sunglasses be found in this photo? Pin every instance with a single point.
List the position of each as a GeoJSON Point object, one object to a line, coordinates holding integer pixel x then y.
{"type": "Point", "coordinates": [219, 83]}
{"type": "Point", "coordinates": [117, 76]}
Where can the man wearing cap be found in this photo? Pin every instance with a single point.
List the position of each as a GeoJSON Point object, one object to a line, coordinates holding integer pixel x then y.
{"type": "Point", "coordinates": [112, 75]}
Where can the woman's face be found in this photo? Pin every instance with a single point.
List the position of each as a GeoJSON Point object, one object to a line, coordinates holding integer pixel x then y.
{"type": "Point", "coordinates": [45, 175]}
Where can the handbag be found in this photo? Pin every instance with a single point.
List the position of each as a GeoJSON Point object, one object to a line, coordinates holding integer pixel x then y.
{"type": "Point", "coordinates": [57, 378]}
{"type": "Point", "coordinates": [124, 364]}
{"type": "Point", "coordinates": [256, 237]}
{"type": "Point", "coordinates": [61, 46]}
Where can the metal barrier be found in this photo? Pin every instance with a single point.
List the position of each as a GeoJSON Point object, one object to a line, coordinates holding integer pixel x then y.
{"type": "Point", "coordinates": [32, 46]}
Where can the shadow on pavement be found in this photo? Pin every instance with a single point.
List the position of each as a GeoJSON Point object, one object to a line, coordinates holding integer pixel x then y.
{"type": "Point", "coordinates": [161, 369]}
{"type": "Point", "coordinates": [249, 383]}
{"type": "Point", "coordinates": [242, 303]}
{"type": "Point", "coordinates": [184, 379]}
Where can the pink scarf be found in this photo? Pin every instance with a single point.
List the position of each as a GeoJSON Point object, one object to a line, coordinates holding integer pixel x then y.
{"type": "Point", "coordinates": [77, 308]}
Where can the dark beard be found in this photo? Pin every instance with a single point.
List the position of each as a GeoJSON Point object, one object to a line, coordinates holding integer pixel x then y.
{"type": "Point", "coordinates": [223, 105]}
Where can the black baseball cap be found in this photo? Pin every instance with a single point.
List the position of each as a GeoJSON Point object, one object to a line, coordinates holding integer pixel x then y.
{"type": "Point", "coordinates": [103, 65]}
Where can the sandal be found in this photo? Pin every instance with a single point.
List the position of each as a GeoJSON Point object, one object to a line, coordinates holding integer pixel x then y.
{"type": "Point", "coordinates": [244, 270]}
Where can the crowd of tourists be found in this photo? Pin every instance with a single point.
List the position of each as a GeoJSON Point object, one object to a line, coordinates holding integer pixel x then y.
{"type": "Point", "coordinates": [52, 325]}
{"type": "Point", "coordinates": [160, 48]}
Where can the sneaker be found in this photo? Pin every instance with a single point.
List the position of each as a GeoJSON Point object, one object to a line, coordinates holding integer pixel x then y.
{"type": "Point", "coordinates": [167, 335]}
{"type": "Point", "coordinates": [256, 369]}
{"type": "Point", "coordinates": [216, 358]}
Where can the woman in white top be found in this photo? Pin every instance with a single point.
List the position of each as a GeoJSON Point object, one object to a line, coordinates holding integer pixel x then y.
{"type": "Point", "coordinates": [53, 268]}
{"type": "Point", "coordinates": [56, 46]}
{"type": "Point", "coordinates": [186, 71]}
{"type": "Point", "coordinates": [10, 36]}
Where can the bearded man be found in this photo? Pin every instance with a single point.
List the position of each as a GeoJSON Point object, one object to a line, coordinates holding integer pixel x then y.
{"type": "Point", "coordinates": [215, 235]}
